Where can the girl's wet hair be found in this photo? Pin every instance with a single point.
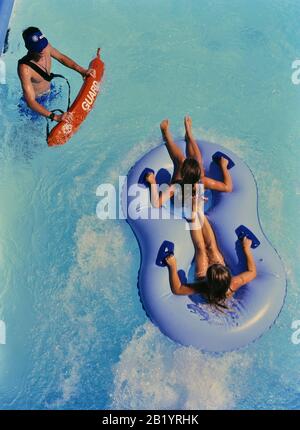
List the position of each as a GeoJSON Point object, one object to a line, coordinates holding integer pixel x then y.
{"type": "Point", "coordinates": [214, 289]}
{"type": "Point", "coordinates": [190, 171]}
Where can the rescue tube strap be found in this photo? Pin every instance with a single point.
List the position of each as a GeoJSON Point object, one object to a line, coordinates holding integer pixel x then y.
{"type": "Point", "coordinates": [48, 77]}
{"type": "Point", "coordinates": [45, 75]}
{"type": "Point", "coordinates": [54, 75]}
{"type": "Point", "coordinates": [48, 121]}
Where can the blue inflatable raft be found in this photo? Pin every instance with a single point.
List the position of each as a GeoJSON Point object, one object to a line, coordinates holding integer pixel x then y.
{"type": "Point", "coordinates": [189, 320]}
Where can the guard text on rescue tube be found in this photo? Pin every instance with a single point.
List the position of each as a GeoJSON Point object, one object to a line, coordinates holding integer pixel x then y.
{"type": "Point", "coordinates": [90, 97]}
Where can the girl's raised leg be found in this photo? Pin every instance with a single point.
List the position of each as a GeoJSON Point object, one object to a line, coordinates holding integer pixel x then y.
{"type": "Point", "coordinates": [192, 148]}
{"type": "Point", "coordinates": [175, 152]}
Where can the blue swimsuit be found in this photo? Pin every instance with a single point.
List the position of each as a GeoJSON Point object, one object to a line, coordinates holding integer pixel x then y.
{"type": "Point", "coordinates": [44, 100]}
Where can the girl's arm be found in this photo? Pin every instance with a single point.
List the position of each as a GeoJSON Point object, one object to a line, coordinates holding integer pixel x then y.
{"type": "Point", "coordinates": [250, 274]}
{"type": "Point", "coordinates": [225, 186]}
{"type": "Point", "coordinates": [176, 286]}
{"type": "Point", "coordinates": [157, 198]}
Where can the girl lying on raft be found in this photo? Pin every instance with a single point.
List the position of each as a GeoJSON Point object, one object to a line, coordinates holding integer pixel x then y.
{"type": "Point", "coordinates": [187, 170]}
{"type": "Point", "coordinates": [213, 279]}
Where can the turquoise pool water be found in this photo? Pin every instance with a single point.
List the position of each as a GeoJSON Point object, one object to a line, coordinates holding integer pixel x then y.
{"type": "Point", "coordinates": [77, 336]}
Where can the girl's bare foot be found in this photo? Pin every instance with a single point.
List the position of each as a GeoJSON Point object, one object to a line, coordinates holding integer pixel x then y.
{"type": "Point", "coordinates": [164, 126]}
{"type": "Point", "coordinates": [188, 123]}
{"type": "Point", "coordinates": [188, 127]}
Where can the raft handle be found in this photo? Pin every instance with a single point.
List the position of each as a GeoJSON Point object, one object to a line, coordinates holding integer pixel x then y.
{"type": "Point", "coordinates": [243, 231]}
{"type": "Point", "coordinates": [142, 178]}
{"type": "Point", "coordinates": [217, 155]}
{"type": "Point", "coordinates": [166, 249]}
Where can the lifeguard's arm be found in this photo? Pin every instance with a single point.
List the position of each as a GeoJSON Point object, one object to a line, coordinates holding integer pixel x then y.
{"type": "Point", "coordinates": [176, 286]}
{"type": "Point", "coordinates": [250, 274]}
{"type": "Point", "coordinates": [225, 186]}
{"type": "Point", "coordinates": [28, 91]}
{"type": "Point", "coordinates": [158, 198]}
{"type": "Point", "coordinates": [68, 62]}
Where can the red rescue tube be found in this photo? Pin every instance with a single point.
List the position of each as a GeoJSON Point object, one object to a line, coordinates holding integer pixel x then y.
{"type": "Point", "coordinates": [81, 106]}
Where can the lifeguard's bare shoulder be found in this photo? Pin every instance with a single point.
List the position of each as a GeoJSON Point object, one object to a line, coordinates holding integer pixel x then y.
{"type": "Point", "coordinates": [24, 72]}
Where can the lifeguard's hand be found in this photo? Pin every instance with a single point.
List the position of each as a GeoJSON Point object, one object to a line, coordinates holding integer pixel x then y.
{"type": "Point", "coordinates": [88, 72]}
{"type": "Point", "coordinates": [66, 116]}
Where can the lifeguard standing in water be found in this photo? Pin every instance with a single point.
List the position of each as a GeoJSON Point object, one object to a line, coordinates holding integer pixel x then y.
{"type": "Point", "coordinates": [34, 71]}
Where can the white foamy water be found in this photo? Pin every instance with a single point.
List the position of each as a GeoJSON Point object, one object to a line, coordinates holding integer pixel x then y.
{"type": "Point", "coordinates": [76, 328]}
{"type": "Point", "coordinates": [154, 373]}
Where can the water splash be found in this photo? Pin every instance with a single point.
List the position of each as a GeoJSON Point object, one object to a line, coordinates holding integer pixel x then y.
{"type": "Point", "coordinates": [154, 373]}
